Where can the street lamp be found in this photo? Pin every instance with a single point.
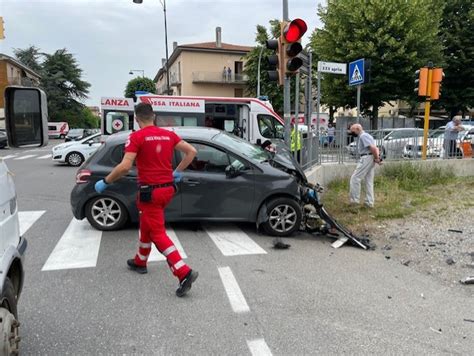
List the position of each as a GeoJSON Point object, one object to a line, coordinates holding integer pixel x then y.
{"type": "Point", "coordinates": [137, 70]}
{"type": "Point", "coordinates": [163, 3]}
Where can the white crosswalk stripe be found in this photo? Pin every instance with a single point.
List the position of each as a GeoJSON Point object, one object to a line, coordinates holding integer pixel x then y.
{"type": "Point", "coordinates": [232, 241]}
{"type": "Point", "coordinates": [45, 156]}
{"type": "Point", "coordinates": [9, 156]}
{"type": "Point", "coordinates": [78, 247]}
{"type": "Point", "coordinates": [24, 157]}
{"type": "Point", "coordinates": [27, 219]}
{"type": "Point", "coordinates": [156, 256]}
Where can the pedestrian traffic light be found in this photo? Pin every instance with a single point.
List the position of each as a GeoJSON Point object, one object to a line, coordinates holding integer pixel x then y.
{"type": "Point", "coordinates": [421, 81]}
{"type": "Point", "coordinates": [275, 62]}
{"type": "Point", "coordinates": [2, 28]}
{"type": "Point", "coordinates": [291, 33]}
{"type": "Point", "coordinates": [436, 79]}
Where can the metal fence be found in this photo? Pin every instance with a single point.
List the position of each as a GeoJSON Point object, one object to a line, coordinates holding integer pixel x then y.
{"type": "Point", "coordinates": [394, 144]}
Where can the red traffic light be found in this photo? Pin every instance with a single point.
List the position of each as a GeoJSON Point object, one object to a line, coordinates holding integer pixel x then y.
{"type": "Point", "coordinates": [294, 30]}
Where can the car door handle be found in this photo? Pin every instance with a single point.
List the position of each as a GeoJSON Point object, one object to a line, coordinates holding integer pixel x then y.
{"type": "Point", "coordinates": [191, 181]}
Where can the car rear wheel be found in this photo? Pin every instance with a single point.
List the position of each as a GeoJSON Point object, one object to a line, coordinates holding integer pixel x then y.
{"type": "Point", "coordinates": [74, 159]}
{"type": "Point", "coordinates": [106, 213]}
{"type": "Point", "coordinates": [9, 335]}
{"type": "Point", "coordinates": [284, 217]}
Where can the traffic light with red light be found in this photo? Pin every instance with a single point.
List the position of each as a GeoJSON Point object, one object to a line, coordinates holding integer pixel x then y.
{"type": "Point", "coordinates": [436, 79]}
{"type": "Point", "coordinates": [275, 62]}
{"type": "Point", "coordinates": [291, 33]}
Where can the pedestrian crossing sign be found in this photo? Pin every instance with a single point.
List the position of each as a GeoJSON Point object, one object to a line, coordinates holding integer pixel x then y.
{"type": "Point", "coordinates": [356, 72]}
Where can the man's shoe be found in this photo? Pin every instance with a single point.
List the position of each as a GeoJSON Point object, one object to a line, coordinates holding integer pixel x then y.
{"type": "Point", "coordinates": [134, 267]}
{"type": "Point", "coordinates": [186, 283]}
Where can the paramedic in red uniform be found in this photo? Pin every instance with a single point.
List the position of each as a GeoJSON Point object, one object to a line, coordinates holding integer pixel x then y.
{"type": "Point", "coordinates": [153, 149]}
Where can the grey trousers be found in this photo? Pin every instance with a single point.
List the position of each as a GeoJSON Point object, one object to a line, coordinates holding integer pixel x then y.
{"type": "Point", "coordinates": [365, 170]}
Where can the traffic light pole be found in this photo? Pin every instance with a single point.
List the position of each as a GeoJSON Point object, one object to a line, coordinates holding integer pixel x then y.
{"type": "Point", "coordinates": [286, 89]}
{"type": "Point", "coordinates": [358, 103]}
{"type": "Point", "coordinates": [426, 126]}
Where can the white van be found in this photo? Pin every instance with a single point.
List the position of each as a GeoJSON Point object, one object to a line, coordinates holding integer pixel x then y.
{"type": "Point", "coordinates": [249, 118]}
{"type": "Point", "coordinates": [58, 129]}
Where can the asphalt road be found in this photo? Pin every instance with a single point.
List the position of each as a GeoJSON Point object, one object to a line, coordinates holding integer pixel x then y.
{"type": "Point", "coordinates": [249, 298]}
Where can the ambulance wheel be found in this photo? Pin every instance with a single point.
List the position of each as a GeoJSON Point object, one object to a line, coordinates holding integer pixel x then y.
{"type": "Point", "coordinates": [9, 325]}
{"type": "Point", "coordinates": [106, 213]}
{"type": "Point", "coordinates": [74, 159]}
{"type": "Point", "coordinates": [284, 217]}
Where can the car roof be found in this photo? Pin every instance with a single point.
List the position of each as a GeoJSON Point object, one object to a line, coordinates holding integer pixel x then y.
{"type": "Point", "coordinates": [185, 132]}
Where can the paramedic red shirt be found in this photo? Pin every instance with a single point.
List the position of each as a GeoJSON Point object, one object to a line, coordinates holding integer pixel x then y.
{"type": "Point", "coordinates": [154, 147]}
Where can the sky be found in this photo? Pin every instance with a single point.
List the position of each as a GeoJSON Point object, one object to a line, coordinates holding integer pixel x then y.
{"type": "Point", "coordinates": [110, 37]}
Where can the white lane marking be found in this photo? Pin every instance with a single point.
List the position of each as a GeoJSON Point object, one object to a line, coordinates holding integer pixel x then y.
{"type": "Point", "coordinates": [24, 157]}
{"type": "Point", "coordinates": [259, 347]}
{"type": "Point", "coordinates": [9, 156]}
{"type": "Point", "coordinates": [157, 256]}
{"type": "Point", "coordinates": [45, 156]}
{"type": "Point", "coordinates": [236, 298]}
{"type": "Point", "coordinates": [232, 241]}
{"type": "Point", "coordinates": [28, 218]}
{"type": "Point", "coordinates": [77, 248]}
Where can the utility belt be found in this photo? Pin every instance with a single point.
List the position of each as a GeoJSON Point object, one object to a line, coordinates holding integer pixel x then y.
{"type": "Point", "coordinates": [366, 154]}
{"type": "Point", "coordinates": [146, 190]}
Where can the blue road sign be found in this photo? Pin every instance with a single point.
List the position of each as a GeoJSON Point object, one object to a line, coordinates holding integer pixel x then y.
{"type": "Point", "coordinates": [356, 72]}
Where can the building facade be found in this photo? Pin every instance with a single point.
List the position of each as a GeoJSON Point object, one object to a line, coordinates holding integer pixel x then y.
{"type": "Point", "coordinates": [202, 69]}
{"type": "Point", "coordinates": [13, 72]}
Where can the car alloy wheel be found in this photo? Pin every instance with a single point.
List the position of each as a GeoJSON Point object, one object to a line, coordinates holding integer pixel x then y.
{"type": "Point", "coordinates": [75, 159]}
{"type": "Point", "coordinates": [284, 217]}
{"type": "Point", "coordinates": [106, 213]}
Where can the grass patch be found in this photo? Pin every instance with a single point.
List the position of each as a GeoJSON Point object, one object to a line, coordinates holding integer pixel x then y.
{"type": "Point", "coordinates": [400, 190]}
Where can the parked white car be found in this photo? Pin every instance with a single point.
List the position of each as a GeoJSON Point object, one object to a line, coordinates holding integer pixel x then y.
{"type": "Point", "coordinates": [76, 152]}
{"type": "Point", "coordinates": [436, 144]}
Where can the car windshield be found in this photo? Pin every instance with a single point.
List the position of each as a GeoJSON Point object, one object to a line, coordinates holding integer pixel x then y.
{"type": "Point", "coordinates": [237, 144]}
{"type": "Point", "coordinates": [437, 133]}
{"type": "Point", "coordinates": [75, 131]}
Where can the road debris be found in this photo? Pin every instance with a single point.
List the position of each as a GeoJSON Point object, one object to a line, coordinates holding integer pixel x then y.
{"type": "Point", "coordinates": [439, 331]}
{"type": "Point", "coordinates": [467, 280]}
{"type": "Point", "coordinates": [454, 230]}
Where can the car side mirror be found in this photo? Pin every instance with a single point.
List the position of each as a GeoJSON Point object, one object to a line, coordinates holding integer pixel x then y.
{"type": "Point", "coordinates": [90, 143]}
{"type": "Point", "coordinates": [231, 172]}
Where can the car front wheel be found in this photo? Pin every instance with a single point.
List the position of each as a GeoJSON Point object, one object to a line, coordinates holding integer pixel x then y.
{"type": "Point", "coordinates": [284, 217]}
{"type": "Point", "coordinates": [106, 213]}
{"type": "Point", "coordinates": [74, 159]}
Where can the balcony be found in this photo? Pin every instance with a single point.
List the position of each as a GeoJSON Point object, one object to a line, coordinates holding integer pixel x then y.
{"type": "Point", "coordinates": [219, 77]}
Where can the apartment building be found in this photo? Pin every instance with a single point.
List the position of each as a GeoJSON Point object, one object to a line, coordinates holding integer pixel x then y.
{"type": "Point", "coordinates": [13, 72]}
{"type": "Point", "coordinates": [203, 69]}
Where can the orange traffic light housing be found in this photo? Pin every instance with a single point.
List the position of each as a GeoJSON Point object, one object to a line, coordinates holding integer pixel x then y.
{"type": "Point", "coordinates": [422, 81]}
{"type": "Point", "coordinates": [436, 79]}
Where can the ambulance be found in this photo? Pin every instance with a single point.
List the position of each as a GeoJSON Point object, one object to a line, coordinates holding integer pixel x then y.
{"type": "Point", "coordinates": [252, 119]}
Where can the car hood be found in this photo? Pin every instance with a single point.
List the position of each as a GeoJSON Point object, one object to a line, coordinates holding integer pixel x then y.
{"type": "Point", "coordinates": [283, 157]}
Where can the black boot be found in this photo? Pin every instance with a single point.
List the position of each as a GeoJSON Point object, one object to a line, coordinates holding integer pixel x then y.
{"type": "Point", "coordinates": [186, 283]}
{"type": "Point", "coordinates": [131, 264]}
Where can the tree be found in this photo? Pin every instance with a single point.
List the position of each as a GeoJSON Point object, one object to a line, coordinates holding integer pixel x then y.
{"type": "Point", "coordinates": [61, 79]}
{"type": "Point", "coordinates": [397, 36]}
{"type": "Point", "coordinates": [29, 57]}
{"type": "Point", "coordinates": [457, 35]}
{"type": "Point", "coordinates": [139, 84]}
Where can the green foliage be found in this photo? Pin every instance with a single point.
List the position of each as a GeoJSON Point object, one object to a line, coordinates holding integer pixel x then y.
{"type": "Point", "coordinates": [61, 79]}
{"type": "Point", "coordinates": [457, 36]}
{"type": "Point", "coordinates": [139, 83]}
{"type": "Point", "coordinates": [80, 117]}
{"type": "Point", "coordinates": [411, 177]}
{"type": "Point", "coordinates": [29, 57]}
{"type": "Point", "coordinates": [398, 36]}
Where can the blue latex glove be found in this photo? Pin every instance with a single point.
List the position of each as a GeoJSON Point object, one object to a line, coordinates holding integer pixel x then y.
{"type": "Point", "coordinates": [312, 193]}
{"type": "Point", "coordinates": [177, 176]}
{"type": "Point", "coordinates": [100, 186]}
